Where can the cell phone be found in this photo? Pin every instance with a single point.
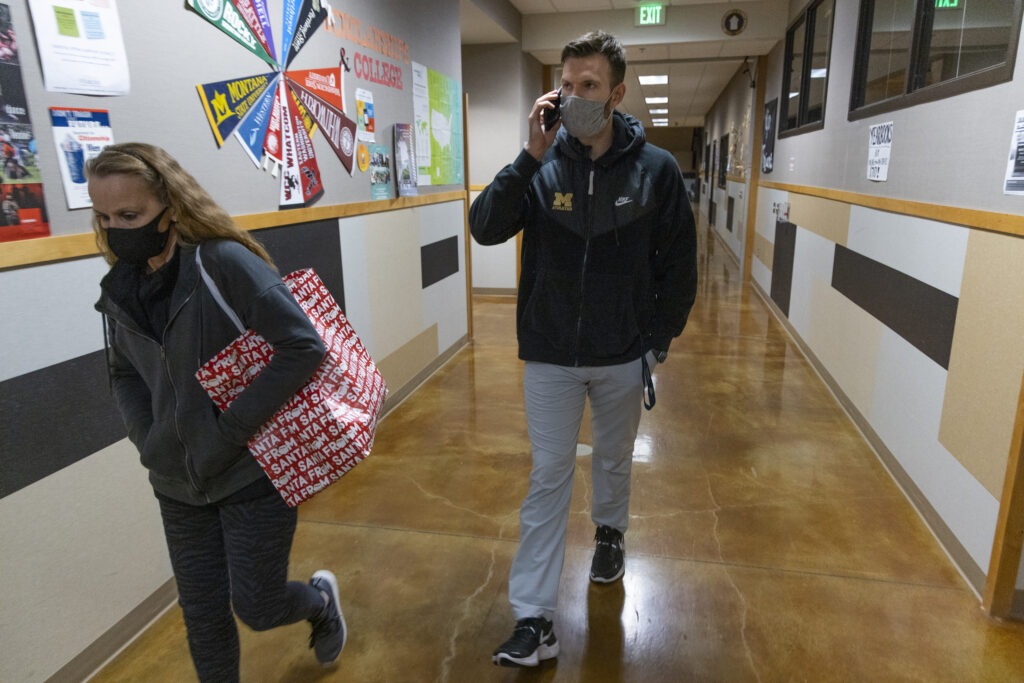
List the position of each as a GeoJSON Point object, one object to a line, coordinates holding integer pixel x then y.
{"type": "Point", "coordinates": [551, 116]}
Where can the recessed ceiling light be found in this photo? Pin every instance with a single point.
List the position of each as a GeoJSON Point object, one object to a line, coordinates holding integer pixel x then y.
{"type": "Point", "coordinates": [659, 111]}
{"type": "Point", "coordinates": [819, 73]}
{"type": "Point", "coordinates": [656, 100]}
{"type": "Point", "coordinates": [657, 121]}
{"type": "Point", "coordinates": [653, 80]}
{"type": "Point", "coordinates": [661, 124]}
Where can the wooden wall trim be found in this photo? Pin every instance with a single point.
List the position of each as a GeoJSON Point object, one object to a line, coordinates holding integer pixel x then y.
{"type": "Point", "coordinates": [477, 188]}
{"type": "Point", "coordinates": [1006, 223]}
{"type": "Point", "coordinates": [998, 599]}
{"type": "Point", "coordinates": [57, 248]}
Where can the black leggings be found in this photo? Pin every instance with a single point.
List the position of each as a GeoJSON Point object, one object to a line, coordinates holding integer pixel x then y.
{"type": "Point", "coordinates": [233, 553]}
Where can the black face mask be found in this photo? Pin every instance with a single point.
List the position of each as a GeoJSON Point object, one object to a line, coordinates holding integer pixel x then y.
{"type": "Point", "coordinates": [138, 245]}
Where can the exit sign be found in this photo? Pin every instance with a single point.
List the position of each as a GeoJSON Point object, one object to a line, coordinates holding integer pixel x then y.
{"type": "Point", "coordinates": [650, 15]}
{"type": "Point", "coordinates": [947, 4]}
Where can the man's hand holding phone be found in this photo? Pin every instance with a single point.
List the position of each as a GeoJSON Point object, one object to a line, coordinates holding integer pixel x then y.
{"type": "Point", "coordinates": [544, 124]}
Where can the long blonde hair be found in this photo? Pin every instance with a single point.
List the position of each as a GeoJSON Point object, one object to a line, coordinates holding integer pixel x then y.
{"type": "Point", "coordinates": [197, 217]}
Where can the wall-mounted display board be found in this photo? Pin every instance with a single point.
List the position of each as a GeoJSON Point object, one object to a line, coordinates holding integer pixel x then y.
{"type": "Point", "coordinates": [231, 88]}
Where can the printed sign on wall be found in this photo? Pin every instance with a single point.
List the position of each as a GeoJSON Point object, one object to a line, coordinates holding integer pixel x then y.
{"type": "Point", "coordinates": [80, 135]}
{"type": "Point", "coordinates": [879, 150]}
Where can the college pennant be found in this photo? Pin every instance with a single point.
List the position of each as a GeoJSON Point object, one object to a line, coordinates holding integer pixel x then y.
{"type": "Point", "coordinates": [312, 14]}
{"type": "Point", "coordinates": [252, 131]}
{"type": "Point", "coordinates": [291, 194]}
{"type": "Point", "coordinates": [339, 129]}
{"type": "Point", "coordinates": [254, 13]}
{"type": "Point", "coordinates": [288, 22]}
{"type": "Point", "coordinates": [327, 84]}
{"type": "Point", "coordinates": [227, 102]}
{"type": "Point", "coordinates": [225, 16]}
{"type": "Point", "coordinates": [305, 158]}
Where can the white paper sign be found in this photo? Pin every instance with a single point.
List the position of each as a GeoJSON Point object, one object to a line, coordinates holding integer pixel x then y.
{"type": "Point", "coordinates": [80, 135]}
{"type": "Point", "coordinates": [879, 149]}
{"type": "Point", "coordinates": [1015, 164]}
{"type": "Point", "coordinates": [80, 46]}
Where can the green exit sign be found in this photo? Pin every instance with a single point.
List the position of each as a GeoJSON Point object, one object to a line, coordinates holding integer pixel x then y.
{"type": "Point", "coordinates": [947, 4]}
{"type": "Point", "coordinates": [650, 15]}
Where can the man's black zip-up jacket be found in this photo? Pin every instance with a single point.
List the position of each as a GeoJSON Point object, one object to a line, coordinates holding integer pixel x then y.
{"type": "Point", "coordinates": [195, 453]}
{"type": "Point", "coordinates": [609, 254]}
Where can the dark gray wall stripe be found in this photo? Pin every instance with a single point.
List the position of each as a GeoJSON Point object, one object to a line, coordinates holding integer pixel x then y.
{"type": "Point", "coordinates": [315, 245]}
{"type": "Point", "coordinates": [921, 314]}
{"type": "Point", "coordinates": [53, 418]}
{"type": "Point", "coordinates": [439, 260]}
{"type": "Point", "coordinates": [782, 264]}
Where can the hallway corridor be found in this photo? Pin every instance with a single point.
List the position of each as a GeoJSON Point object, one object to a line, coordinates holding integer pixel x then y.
{"type": "Point", "coordinates": [766, 541]}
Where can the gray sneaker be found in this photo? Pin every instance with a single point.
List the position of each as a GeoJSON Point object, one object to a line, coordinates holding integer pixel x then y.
{"type": "Point", "coordinates": [329, 631]}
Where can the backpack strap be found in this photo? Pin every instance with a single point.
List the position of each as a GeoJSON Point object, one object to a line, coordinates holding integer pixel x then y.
{"type": "Point", "coordinates": [217, 296]}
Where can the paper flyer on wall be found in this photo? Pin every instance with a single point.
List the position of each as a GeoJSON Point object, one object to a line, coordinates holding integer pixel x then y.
{"type": "Point", "coordinates": [879, 151]}
{"type": "Point", "coordinates": [227, 102]}
{"type": "Point", "coordinates": [405, 160]}
{"type": "Point", "coordinates": [225, 16]}
{"type": "Point", "coordinates": [437, 112]}
{"type": "Point", "coordinates": [1014, 183]}
{"type": "Point", "coordinates": [251, 133]}
{"type": "Point", "coordinates": [364, 116]}
{"type": "Point", "coordinates": [80, 46]}
{"type": "Point", "coordinates": [79, 135]}
{"type": "Point", "coordinates": [339, 129]}
{"type": "Point", "coordinates": [421, 121]}
{"type": "Point", "coordinates": [380, 172]}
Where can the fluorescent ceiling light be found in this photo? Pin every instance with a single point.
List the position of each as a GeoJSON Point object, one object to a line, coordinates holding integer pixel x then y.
{"type": "Point", "coordinates": [657, 121]}
{"type": "Point", "coordinates": [656, 100]}
{"type": "Point", "coordinates": [793, 94]}
{"type": "Point", "coordinates": [819, 73]}
{"type": "Point", "coordinates": [661, 124]}
{"type": "Point", "coordinates": [659, 111]}
{"type": "Point", "coordinates": [653, 80]}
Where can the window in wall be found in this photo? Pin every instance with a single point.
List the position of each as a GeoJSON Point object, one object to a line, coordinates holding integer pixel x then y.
{"type": "Point", "coordinates": [805, 72]}
{"type": "Point", "coordinates": [913, 51]}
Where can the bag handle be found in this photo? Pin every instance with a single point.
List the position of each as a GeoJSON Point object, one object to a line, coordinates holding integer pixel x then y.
{"type": "Point", "coordinates": [217, 296]}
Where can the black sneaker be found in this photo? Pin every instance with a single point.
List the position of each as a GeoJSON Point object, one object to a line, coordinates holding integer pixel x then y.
{"type": "Point", "coordinates": [329, 631]}
{"type": "Point", "coordinates": [532, 641]}
{"type": "Point", "coordinates": [608, 564]}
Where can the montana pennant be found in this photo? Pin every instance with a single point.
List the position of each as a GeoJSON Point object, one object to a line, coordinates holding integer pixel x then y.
{"type": "Point", "coordinates": [227, 102]}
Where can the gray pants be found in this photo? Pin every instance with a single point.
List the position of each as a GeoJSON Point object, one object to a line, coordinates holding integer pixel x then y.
{"type": "Point", "coordinates": [555, 398]}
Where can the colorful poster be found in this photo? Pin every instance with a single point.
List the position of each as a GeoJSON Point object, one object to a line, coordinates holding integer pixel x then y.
{"type": "Point", "coordinates": [440, 122]}
{"type": "Point", "coordinates": [227, 102]}
{"type": "Point", "coordinates": [305, 158]}
{"type": "Point", "coordinates": [309, 18]}
{"type": "Point", "coordinates": [380, 172]}
{"type": "Point", "coordinates": [1014, 182]}
{"type": "Point", "coordinates": [225, 16]}
{"type": "Point", "coordinates": [327, 84]}
{"type": "Point", "coordinates": [80, 46]}
{"type": "Point", "coordinates": [364, 115]}
{"type": "Point", "coordinates": [251, 132]}
{"type": "Point", "coordinates": [258, 24]}
{"type": "Point", "coordinates": [339, 129]}
{"type": "Point", "coordinates": [79, 135]}
{"type": "Point", "coordinates": [879, 151]}
{"type": "Point", "coordinates": [405, 160]}
{"type": "Point", "coordinates": [22, 210]}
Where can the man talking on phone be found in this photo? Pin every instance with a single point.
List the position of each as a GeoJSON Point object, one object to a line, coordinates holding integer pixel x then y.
{"type": "Point", "coordinates": [609, 275]}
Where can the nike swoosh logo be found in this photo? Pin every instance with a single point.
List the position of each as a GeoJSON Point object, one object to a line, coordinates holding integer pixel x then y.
{"type": "Point", "coordinates": [621, 201]}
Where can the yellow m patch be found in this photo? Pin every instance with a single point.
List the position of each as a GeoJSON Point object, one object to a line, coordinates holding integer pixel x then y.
{"type": "Point", "coordinates": [563, 202]}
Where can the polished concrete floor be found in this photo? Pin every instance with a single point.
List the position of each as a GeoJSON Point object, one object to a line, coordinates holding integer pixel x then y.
{"type": "Point", "coordinates": [766, 541]}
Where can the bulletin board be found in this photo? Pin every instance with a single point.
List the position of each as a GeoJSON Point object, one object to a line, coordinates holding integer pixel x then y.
{"type": "Point", "coordinates": [172, 48]}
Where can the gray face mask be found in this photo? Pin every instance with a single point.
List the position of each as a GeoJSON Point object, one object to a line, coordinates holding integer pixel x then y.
{"type": "Point", "coordinates": [584, 118]}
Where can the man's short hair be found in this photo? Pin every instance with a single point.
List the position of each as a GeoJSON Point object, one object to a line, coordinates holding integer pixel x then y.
{"type": "Point", "coordinates": [599, 43]}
